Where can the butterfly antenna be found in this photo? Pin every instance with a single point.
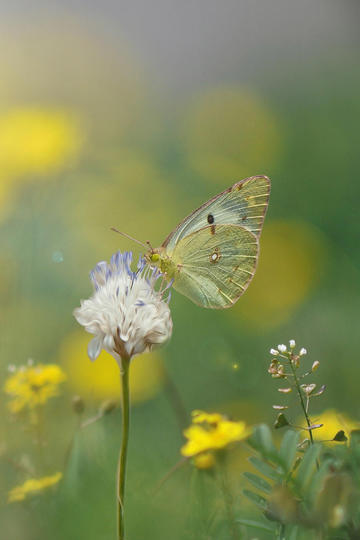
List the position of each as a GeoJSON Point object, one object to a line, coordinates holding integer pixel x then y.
{"type": "Point", "coordinates": [129, 237]}
{"type": "Point", "coordinates": [150, 246]}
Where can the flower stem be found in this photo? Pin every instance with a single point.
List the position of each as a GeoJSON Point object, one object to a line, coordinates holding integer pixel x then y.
{"type": "Point", "coordinates": [304, 408]}
{"type": "Point", "coordinates": [121, 473]}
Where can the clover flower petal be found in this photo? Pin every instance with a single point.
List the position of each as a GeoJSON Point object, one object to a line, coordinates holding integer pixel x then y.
{"type": "Point", "coordinates": [126, 314]}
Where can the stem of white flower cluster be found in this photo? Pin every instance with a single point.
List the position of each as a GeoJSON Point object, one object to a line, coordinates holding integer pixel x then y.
{"type": "Point", "coordinates": [121, 473]}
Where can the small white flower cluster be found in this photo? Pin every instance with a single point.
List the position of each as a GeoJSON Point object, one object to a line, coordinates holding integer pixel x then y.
{"type": "Point", "coordinates": [126, 314]}
{"type": "Point", "coordinates": [12, 368]}
{"type": "Point", "coordinates": [282, 349]}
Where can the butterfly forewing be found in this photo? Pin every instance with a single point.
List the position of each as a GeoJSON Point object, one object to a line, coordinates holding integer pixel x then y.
{"type": "Point", "coordinates": [215, 269]}
{"type": "Point", "coordinates": [243, 204]}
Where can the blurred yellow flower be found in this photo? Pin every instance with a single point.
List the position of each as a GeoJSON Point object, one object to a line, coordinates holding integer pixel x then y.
{"type": "Point", "coordinates": [100, 380]}
{"type": "Point", "coordinates": [292, 256]}
{"type": "Point", "coordinates": [36, 141]}
{"type": "Point", "coordinates": [206, 460]}
{"type": "Point", "coordinates": [33, 385]}
{"type": "Point", "coordinates": [333, 421]}
{"type": "Point", "coordinates": [211, 432]}
{"type": "Point", "coordinates": [33, 486]}
{"type": "Point", "coordinates": [201, 417]}
{"type": "Point", "coordinates": [230, 133]}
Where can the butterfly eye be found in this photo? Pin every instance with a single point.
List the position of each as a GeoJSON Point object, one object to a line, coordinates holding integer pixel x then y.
{"type": "Point", "coordinates": [154, 257]}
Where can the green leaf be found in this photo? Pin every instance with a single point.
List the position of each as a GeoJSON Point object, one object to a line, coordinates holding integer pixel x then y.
{"type": "Point", "coordinates": [317, 480]}
{"type": "Point", "coordinates": [340, 436]}
{"type": "Point", "coordinates": [281, 421]}
{"type": "Point", "coordinates": [256, 525]}
{"type": "Point", "coordinates": [262, 441]}
{"type": "Point", "coordinates": [288, 448]}
{"type": "Point", "coordinates": [265, 469]}
{"type": "Point", "coordinates": [308, 464]}
{"type": "Point", "coordinates": [260, 501]}
{"type": "Point", "coordinates": [258, 482]}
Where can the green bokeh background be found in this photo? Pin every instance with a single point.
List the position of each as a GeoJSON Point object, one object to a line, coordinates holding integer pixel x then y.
{"type": "Point", "coordinates": [131, 116]}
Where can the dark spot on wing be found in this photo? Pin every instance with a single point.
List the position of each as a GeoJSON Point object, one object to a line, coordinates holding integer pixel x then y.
{"type": "Point", "coordinates": [210, 219]}
{"type": "Point", "coordinates": [243, 218]}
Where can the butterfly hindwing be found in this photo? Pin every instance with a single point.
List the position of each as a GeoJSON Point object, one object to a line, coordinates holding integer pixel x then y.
{"type": "Point", "coordinates": [244, 204]}
{"type": "Point", "coordinates": [215, 268]}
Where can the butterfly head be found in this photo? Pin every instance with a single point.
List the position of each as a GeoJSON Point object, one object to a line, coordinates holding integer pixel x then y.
{"type": "Point", "coordinates": [159, 258]}
{"type": "Point", "coordinates": [153, 257]}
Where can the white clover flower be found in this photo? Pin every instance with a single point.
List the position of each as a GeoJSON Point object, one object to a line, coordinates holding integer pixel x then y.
{"type": "Point", "coordinates": [292, 344]}
{"type": "Point", "coordinates": [302, 352]}
{"type": "Point", "coordinates": [274, 352]}
{"type": "Point", "coordinates": [282, 348]}
{"type": "Point", "coordinates": [126, 314]}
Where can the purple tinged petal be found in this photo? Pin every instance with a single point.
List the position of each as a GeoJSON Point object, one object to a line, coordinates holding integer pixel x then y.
{"type": "Point", "coordinates": [94, 347]}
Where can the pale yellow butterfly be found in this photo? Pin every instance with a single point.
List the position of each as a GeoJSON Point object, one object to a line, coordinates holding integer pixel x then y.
{"type": "Point", "coordinates": [212, 254]}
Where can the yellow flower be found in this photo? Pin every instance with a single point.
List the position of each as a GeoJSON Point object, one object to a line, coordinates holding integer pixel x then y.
{"type": "Point", "coordinates": [32, 486]}
{"type": "Point", "coordinates": [199, 417]}
{"type": "Point", "coordinates": [211, 432]}
{"type": "Point", "coordinates": [36, 141]}
{"type": "Point", "coordinates": [33, 385]}
{"type": "Point", "coordinates": [334, 422]}
{"type": "Point", "coordinates": [206, 460]}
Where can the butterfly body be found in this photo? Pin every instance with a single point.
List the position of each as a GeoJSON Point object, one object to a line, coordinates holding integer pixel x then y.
{"type": "Point", "coordinates": [212, 254]}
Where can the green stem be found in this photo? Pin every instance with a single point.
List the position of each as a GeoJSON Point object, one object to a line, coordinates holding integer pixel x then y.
{"type": "Point", "coordinates": [297, 385]}
{"type": "Point", "coordinates": [121, 473]}
{"type": "Point", "coordinates": [228, 499]}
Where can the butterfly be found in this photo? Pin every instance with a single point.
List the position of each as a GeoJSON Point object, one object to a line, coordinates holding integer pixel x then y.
{"type": "Point", "coordinates": [212, 254]}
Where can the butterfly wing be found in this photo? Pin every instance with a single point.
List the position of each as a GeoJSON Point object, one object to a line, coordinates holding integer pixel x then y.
{"type": "Point", "coordinates": [214, 270]}
{"type": "Point", "coordinates": [244, 204]}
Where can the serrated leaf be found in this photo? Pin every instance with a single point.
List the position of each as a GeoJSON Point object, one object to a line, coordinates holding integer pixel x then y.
{"type": "Point", "coordinates": [258, 482]}
{"type": "Point", "coordinates": [288, 448]}
{"type": "Point", "coordinates": [265, 469]}
{"type": "Point", "coordinates": [256, 525]}
{"type": "Point", "coordinates": [260, 501]}
{"type": "Point", "coordinates": [308, 465]}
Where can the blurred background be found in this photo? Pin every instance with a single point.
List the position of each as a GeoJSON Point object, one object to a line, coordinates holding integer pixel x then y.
{"type": "Point", "coordinates": [132, 114]}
